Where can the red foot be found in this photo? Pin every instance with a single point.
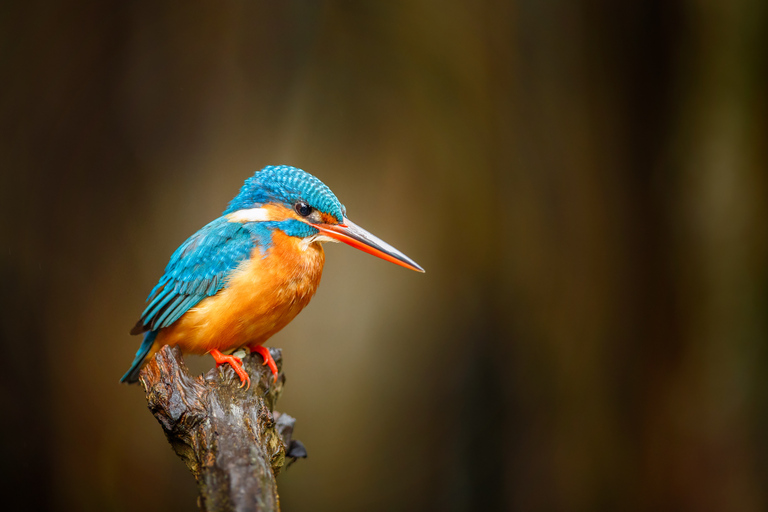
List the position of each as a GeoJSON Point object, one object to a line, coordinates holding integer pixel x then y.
{"type": "Point", "coordinates": [237, 365]}
{"type": "Point", "coordinates": [268, 360]}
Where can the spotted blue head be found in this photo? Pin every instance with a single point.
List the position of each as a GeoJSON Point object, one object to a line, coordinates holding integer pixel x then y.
{"type": "Point", "coordinates": [306, 208]}
{"type": "Point", "coordinates": [283, 184]}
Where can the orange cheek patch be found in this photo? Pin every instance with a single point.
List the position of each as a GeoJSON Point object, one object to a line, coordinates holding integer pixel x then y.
{"type": "Point", "coordinates": [278, 212]}
{"type": "Point", "coordinates": [328, 218]}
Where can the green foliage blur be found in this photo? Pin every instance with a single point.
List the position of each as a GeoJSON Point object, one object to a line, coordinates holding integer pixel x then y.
{"type": "Point", "coordinates": [583, 181]}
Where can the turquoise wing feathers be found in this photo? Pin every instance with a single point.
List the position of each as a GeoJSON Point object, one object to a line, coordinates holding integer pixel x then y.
{"type": "Point", "coordinates": [198, 269]}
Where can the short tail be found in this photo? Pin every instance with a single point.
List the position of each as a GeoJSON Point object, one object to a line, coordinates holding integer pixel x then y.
{"type": "Point", "coordinates": [132, 375]}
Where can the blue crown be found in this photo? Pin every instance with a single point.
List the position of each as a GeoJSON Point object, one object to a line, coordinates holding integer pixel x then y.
{"type": "Point", "coordinates": [286, 184]}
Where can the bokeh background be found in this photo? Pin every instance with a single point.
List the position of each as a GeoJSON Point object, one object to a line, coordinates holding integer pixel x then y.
{"type": "Point", "coordinates": [584, 182]}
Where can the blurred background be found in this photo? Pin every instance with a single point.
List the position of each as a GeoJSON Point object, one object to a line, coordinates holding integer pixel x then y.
{"type": "Point", "coordinates": [584, 182]}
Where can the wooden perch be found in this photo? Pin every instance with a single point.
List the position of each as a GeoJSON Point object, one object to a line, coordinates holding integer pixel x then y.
{"type": "Point", "coordinates": [231, 439]}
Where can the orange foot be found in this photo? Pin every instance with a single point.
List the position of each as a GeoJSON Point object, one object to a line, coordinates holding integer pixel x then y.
{"type": "Point", "coordinates": [268, 360]}
{"type": "Point", "coordinates": [237, 365]}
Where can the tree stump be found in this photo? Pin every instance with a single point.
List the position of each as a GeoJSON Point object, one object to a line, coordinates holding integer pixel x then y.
{"type": "Point", "coordinates": [231, 439]}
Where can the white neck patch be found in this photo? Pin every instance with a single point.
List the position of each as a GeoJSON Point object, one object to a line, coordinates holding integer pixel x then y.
{"type": "Point", "coordinates": [249, 215]}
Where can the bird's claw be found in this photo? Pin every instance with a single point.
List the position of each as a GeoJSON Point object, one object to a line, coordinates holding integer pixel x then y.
{"type": "Point", "coordinates": [268, 359]}
{"type": "Point", "coordinates": [237, 366]}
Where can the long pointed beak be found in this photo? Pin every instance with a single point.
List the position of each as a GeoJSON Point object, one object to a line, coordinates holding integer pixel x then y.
{"type": "Point", "coordinates": [352, 234]}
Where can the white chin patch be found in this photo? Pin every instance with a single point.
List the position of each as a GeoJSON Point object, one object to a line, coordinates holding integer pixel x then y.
{"type": "Point", "coordinates": [323, 238]}
{"type": "Point", "coordinates": [249, 215]}
{"type": "Point", "coordinates": [305, 242]}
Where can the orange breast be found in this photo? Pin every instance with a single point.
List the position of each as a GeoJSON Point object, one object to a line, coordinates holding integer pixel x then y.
{"type": "Point", "coordinates": [261, 297]}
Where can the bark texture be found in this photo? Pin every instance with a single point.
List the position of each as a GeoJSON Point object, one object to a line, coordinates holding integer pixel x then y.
{"type": "Point", "coordinates": [231, 439]}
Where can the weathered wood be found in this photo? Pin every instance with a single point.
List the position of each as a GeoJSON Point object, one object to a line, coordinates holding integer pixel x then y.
{"type": "Point", "coordinates": [231, 439]}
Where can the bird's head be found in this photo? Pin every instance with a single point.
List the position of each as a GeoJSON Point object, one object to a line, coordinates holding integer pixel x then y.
{"type": "Point", "coordinates": [306, 208]}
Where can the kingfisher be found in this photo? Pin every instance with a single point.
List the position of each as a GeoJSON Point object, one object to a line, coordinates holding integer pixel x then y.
{"type": "Point", "coordinates": [246, 275]}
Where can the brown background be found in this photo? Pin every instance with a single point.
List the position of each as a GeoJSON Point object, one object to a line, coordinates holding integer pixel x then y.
{"type": "Point", "coordinates": [584, 181]}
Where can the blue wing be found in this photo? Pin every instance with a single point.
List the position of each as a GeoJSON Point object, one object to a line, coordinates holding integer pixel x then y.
{"type": "Point", "coordinates": [198, 269]}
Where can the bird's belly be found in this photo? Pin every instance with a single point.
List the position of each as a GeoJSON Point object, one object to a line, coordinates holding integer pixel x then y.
{"type": "Point", "coordinates": [260, 298]}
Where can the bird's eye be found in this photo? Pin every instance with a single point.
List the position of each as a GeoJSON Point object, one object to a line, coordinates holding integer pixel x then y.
{"type": "Point", "coordinates": [303, 208]}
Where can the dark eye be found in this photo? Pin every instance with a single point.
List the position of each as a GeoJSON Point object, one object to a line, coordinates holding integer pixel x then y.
{"type": "Point", "coordinates": [303, 208]}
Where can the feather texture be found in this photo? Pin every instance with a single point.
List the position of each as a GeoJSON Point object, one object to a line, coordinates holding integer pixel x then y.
{"type": "Point", "coordinates": [285, 184]}
{"type": "Point", "coordinates": [244, 276]}
{"type": "Point", "coordinates": [197, 269]}
{"type": "Point", "coordinates": [200, 266]}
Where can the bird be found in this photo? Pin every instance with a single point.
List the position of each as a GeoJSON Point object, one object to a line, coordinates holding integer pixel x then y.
{"type": "Point", "coordinates": [244, 276]}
